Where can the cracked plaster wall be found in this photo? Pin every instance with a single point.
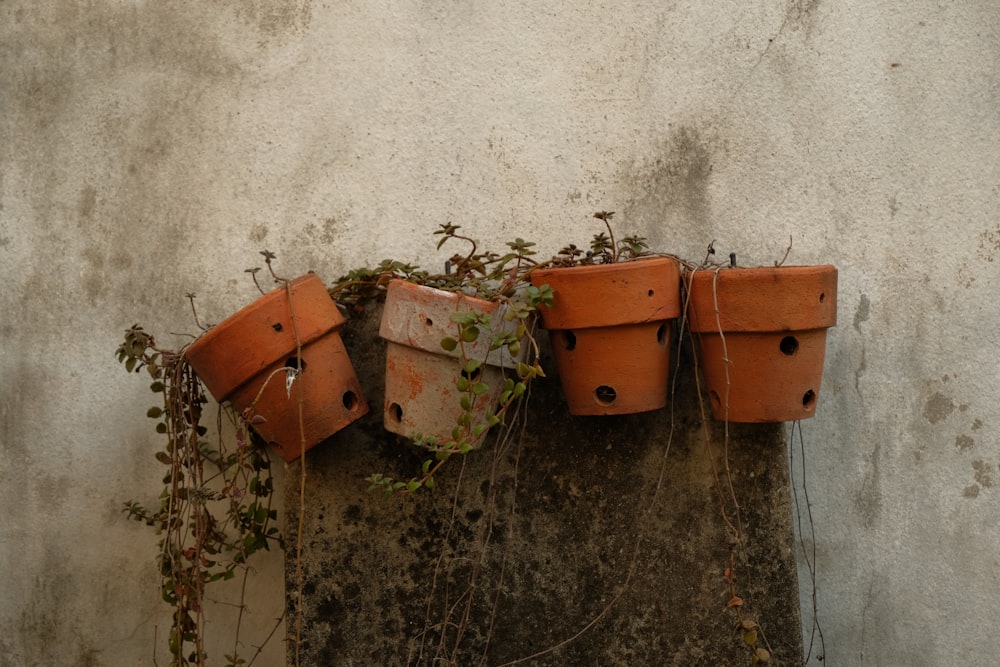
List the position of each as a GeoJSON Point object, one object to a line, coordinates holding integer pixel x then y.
{"type": "Point", "coordinates": [151, 149]}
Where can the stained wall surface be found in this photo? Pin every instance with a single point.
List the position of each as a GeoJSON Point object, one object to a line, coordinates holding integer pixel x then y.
{"type": "Point", "coordinates": [562, 540]}
{"type": "Point", "coordinates": [151, 149]}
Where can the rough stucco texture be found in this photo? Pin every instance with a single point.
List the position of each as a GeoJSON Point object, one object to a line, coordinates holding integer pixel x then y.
{"type": "Point", "coordinates": [603, 533]}
{"type": "Point", "coordinates": [149, 149]}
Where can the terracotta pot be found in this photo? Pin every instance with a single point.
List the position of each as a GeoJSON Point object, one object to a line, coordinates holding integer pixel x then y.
{"type": "Point", "coordinates": [770, 323]}
{"type": "Point", "coordinates": [610, 327]}
{"type": "Point", "coordinates": [420, 393]}
{"type": "Point", "coordinates": [236, 357]}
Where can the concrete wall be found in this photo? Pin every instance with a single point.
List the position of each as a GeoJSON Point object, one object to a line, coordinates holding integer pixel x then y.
{"type": "Point", "coordinates": [148, 149]}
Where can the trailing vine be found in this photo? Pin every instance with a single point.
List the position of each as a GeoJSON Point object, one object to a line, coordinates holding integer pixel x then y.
{"type": "Point", "coordinates": [215, 509]}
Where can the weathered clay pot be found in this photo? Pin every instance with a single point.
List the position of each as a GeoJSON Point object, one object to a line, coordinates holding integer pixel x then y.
{"type": "Point", "coordinates": [610, 327]}
{"type": "Point", "coordinates": [421, 398]}
{"type": "Point", "coordinates": [239, 356]}
{"type": "Point", "coordinates": [762, 334]}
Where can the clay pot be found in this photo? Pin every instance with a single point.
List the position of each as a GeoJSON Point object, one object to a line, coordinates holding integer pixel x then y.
{"type": "Point", "coordinates": [610, 328]}
{"type": "Point", "coordinates": [421, 398]}
{"type": "Point", "coordinates": [770, 323]}
{"type": "Point", "coordinates": [239, 356]}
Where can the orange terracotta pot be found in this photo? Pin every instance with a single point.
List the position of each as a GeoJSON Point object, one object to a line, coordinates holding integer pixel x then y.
{"type": "Point", "coordinates": [236, 358]}
{"type": "Point", "coordinates": [610, 327]}
{"type": "Point", "coordinates": [770, 323]}
{"type": "Point", "coordinates": [420, 393]}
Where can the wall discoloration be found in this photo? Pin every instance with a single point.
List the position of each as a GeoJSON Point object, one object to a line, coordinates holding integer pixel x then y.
{"type": "Point", "coordinates": [668, 189]}
{"type": "Point", "coordinates": [983, 473]}
{"type": "Point", "coordinates": [868, 499]}
{"type": "Point", "coordinates": [938, 408]}
{"type": "Point", "coordinates": [964, 443]}
{"type": "Point", "coordinates": [862, 313]}
{"type": "Point", "coordinates": [275, 19]}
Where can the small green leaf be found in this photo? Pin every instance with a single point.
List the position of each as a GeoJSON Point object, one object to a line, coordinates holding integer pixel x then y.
{"type": "Point", "coordinates": [449, 344]}
{"type": "Point", "coordinates": [480, 388]}
{"type": "Point", "coordinates": [470, 333]}
{"type": "Point", "coordinates": [464, 317]}
{"type": "Point", "coordinates": [154, 412]}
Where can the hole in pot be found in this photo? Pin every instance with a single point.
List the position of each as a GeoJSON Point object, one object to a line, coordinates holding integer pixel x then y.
{"type": "Point", "coordinates": [276, 326]}
{"type": "Point", "coordinates": [350, 400]}
{"type": "Point", "coordinates": [808, 398]}
{"type": "Point", "coordinates": [293, 362]}
{"type": "Point", "coordinates": [789, 345]}
{"type": "Point", "coordinates": [605, 395]}
{"type": "Point", "coordinates": [714, 397]}
{"type": "Point", "coordinates": [569, 340]}
{"type": "Point", "coordinates": [396, 412]}
{"type": "Point", "coordinates": [661, 334]}
{"type": "Point", "coordinates": [822, 297]}
{"type": "Point", "coordinates": [428, 321]}
{"type": "Point", "coordinates": [649, 293]}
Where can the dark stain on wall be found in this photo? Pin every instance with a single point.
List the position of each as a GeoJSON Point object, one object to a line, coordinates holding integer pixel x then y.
{"type": "Point", "coordinates": [862, 313]}
{"type": "Point", "coordinates": [557, 540]}
{"type": "Point", "coordinates": [938, 407]}
{"type": "Point", "coordinates": [868, 499]}
{"type": "Point", "coordinates": [668, 190]}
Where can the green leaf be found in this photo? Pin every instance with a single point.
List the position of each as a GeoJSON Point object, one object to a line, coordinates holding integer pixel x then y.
{"type": "Point", "coordinates": [449, 344]}
{"type": "Point", "coordinates": [480, 388]}
{"type": "Point", "coordinates": [470, 333]}
{"type": "Point", "coordinates": [464, 317]}
{"type": "Point", "coordinates": [154, 412]}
